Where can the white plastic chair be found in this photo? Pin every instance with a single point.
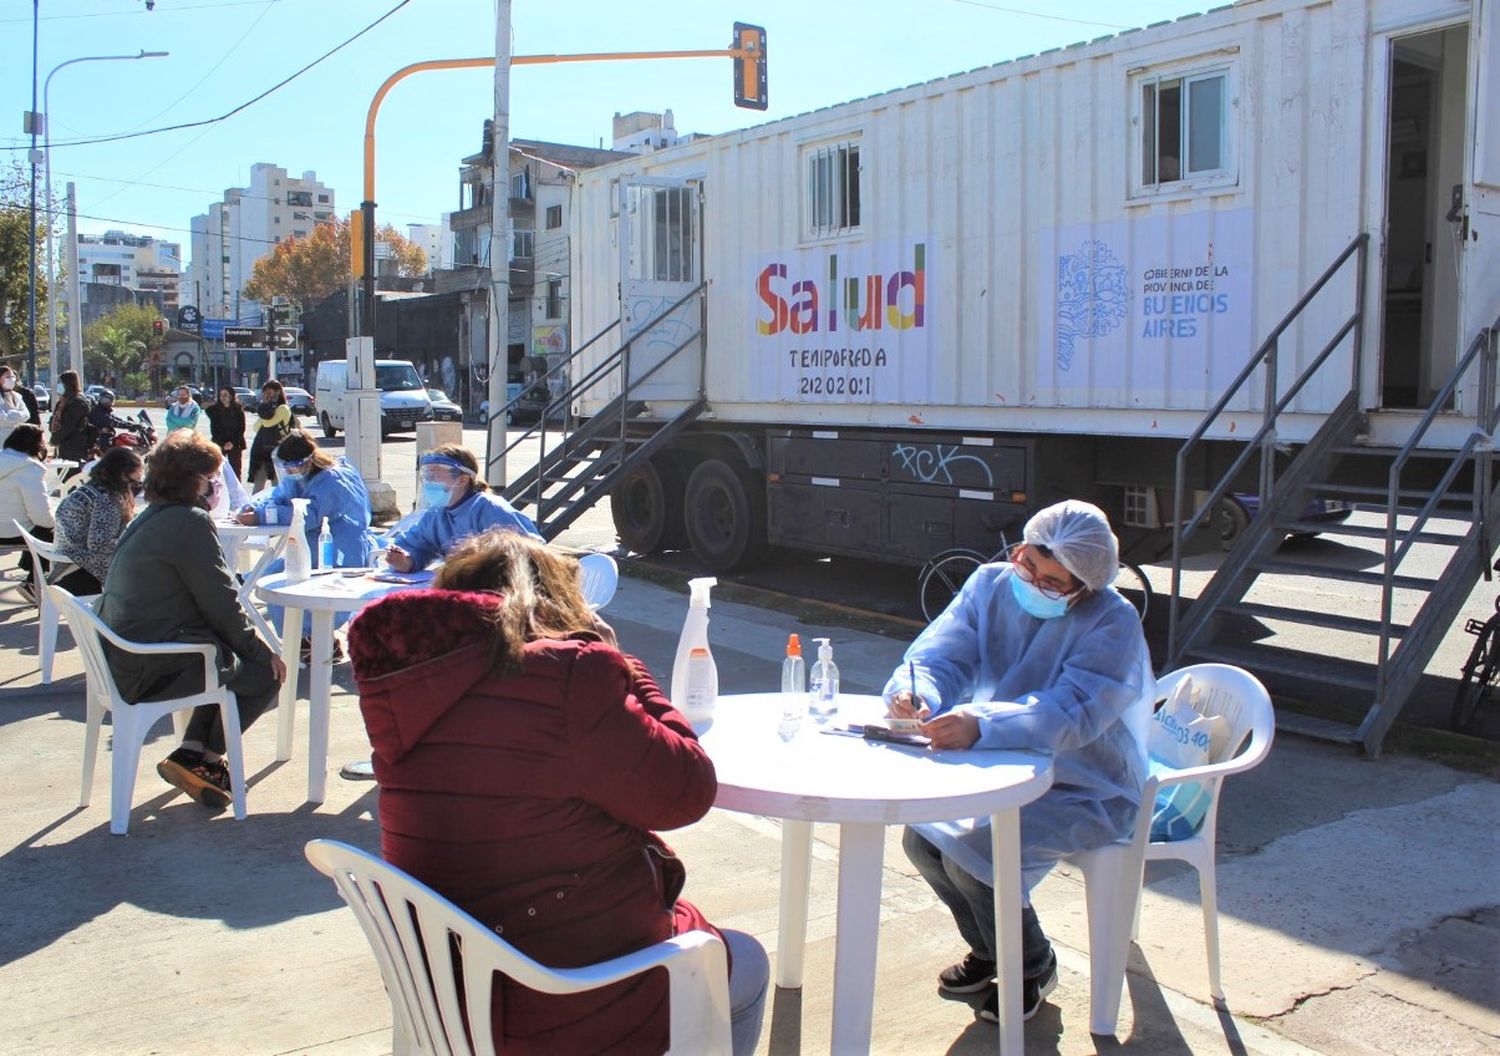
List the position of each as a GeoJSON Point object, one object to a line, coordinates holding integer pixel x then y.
{"type": "Point", "coordinates": [133, 721]}
{"type": "Point", "coordinates": [601, 576]}
{"type": "Point", "coordinates": [46, 627]}
{"type": "Point", "coordinates": [409, 927]}
{"type": "Point", "coordinates": [1112, 875]}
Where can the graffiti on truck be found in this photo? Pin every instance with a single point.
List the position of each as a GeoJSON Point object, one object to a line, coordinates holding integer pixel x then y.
{"type": "Point", "coordinates": [933, 463]}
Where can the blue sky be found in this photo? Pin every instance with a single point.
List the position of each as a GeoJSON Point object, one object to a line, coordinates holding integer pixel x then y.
{"type": "Point", "coordinates": [224, 52]}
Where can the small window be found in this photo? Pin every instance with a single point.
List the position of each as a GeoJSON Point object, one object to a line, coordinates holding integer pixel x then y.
{"type": "Point", "coordinates": [322, 199]}
{"type": "Point", "coordinates": [554, 217]}
{"type": "Point", "coordinates": [833, 190]}
{"type": "Point", "coordinates": [520, 184]}
{"type": "Point", "coordinates": [522, 244]}
{"type": "Point", "coordinates": [554, 298]}
{"type": "Point", "coordinates": [1184, 130]}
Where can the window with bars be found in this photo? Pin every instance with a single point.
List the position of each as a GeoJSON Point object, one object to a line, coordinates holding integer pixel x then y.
{"type": "Point", "coordinates": [1184, 138]}
{"type": "Point", "coordinates": [832, 201]}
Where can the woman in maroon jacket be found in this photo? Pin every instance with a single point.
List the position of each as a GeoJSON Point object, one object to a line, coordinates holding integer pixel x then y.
{"type": "Point", "coordinates": [522, 762]}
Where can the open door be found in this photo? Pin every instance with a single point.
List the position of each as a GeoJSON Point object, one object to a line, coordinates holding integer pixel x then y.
{"type": "Point", "coordinates": [1482, 247]}
{"type": "Point", "coordinates": [1424, 214]}
{"type": "Point", "coordinates": [660, 264]}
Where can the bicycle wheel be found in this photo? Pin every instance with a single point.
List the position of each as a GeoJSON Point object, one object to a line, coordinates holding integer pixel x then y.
{"type": "Point", "coordinates": [1132, 583]}
{"type": "Point", "coordinates": [941, 578]}
{"type": "Point", "coordinates": [1479, 675]}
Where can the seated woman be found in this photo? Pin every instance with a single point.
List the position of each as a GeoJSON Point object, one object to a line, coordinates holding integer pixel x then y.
{"type": "Point", "coordinates": [457, 504]}
{"type": "Point", "coordinates": [91, 517]}
{"type": "Point", "coordinates": [169, 583]}
{"type": "Point", "coordinates": [23, 494]}
{"type": "Point", "coordinates": [334, 491]}
{"type": "Point", "coordinates": [522, 761]}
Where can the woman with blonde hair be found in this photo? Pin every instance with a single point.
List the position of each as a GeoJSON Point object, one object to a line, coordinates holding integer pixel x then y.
{"type": "Point", "coordinates": [523, 761]}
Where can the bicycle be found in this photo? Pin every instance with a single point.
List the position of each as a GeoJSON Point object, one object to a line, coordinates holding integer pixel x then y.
{"type": "Point", "coordinates": [1481, 671]}
{"type": "Point", "coordinates": [943, 575]}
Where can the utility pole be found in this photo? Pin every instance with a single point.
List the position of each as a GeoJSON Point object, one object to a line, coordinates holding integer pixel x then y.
{"type": "Point", "coordinates": [32, 121]}
{"type": "Point", "coordinates": [198, 300]}
{"type": "Point", "coordinates": [498, 346]}
{"type": "Point", "coordinates": [75, 300]}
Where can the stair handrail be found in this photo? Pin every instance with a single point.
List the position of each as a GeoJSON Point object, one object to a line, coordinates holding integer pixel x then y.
{"type": "Point", "coordinates": [1265, 438]}
{"type": "Point", "coordinates": [607, 364]}
{"type": "Point", "coordinates": [1483, 348]}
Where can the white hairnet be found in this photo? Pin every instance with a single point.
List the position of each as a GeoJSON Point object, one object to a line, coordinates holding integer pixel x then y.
{"type": "Point", "coordinates": [1078, 535]}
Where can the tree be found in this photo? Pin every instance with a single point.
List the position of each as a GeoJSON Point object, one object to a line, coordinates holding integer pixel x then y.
{"type": "Point", "coordinates": [16, 237]}
{"type": "Point", "coordinates": [305, 270]}
{"type": "Point", "coordinates": [117, 345]}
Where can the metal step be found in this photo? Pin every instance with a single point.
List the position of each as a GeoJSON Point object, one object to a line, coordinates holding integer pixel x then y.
{"type": "Point", "coordinates": [1305, 666]}
{"type": "Point", "coordinates": [1373, 492]}
{"type": "Point", "coordinates": [1315, 726]}
{"type": "Point", "coordinates": [1347, 575]}
{"type": "Point", "coordinates": [1366, 531]}
{"type": "Point", "coordinates": [1386, 451]}
{"type": "Point", "coordinates": [1312, 618]}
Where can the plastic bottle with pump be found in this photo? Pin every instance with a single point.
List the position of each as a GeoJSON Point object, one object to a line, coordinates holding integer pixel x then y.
{"type": "Point", "coordinates": [695, 678]}
{"type": "Point", "coordinates": [325, 547]}
{"type": "Point", "coordinates": [823, 687]}
{"type": "Point", "coordinates": [298, 560]}
{"type": "Point", "coordinates": [793, 689]}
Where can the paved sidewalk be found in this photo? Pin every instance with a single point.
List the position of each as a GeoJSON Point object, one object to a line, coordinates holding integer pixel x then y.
{"type": "Point", "coordinates": [1360, 903]}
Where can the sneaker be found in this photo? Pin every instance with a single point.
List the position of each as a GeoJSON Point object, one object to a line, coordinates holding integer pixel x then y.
{"type": "Point", "coordinates": [1033, 991]}
{"type": "Point", "coordinates": [968, 976]}
{"type": "Point", "coordinates": [208, 783]}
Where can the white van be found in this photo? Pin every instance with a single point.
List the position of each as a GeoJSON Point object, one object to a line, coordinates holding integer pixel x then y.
{"type": "Point", "coordinates": [403, 398]}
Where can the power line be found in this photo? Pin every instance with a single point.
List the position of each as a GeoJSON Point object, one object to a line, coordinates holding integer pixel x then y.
{"type": "Point", "coordinates": [243, 106]}
{"type": "Point", "coordinates": [1039, 14]}
{"type": "Point", "coordinates": [168, 11]}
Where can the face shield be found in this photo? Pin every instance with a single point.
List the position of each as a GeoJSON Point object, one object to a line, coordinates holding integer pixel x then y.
{"type": "Point", "coordinates": [444, 479]}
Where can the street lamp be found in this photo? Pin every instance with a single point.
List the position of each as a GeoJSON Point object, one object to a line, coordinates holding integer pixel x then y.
{"type": "Point", "coordinates": [72, 250]}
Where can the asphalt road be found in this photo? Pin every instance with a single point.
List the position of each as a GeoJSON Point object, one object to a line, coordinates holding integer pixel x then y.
{"type": "Point", "coordinates": [890, 591]}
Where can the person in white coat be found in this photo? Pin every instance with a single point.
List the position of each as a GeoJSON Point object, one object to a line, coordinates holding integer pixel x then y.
{"type": "Point", "coordinates": [13, 409]}
{"type": "Point", "coordinates": [1037, 652]}
{"type": "Point", "coordinates": [23, 493]}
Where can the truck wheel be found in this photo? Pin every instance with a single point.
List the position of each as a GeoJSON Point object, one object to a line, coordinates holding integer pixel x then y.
{"type": "Point", "coordinates": [646, 505]}
{"type": "Point", "coordinates": [328, 429]}
{"type": "Point", "coordinates": [725, 514]}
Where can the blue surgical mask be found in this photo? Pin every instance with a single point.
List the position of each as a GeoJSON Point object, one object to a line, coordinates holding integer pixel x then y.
{"type": "Point", "coordinates": [435, 495]}
{"type": "Point", "coordinates": [1034, 601]}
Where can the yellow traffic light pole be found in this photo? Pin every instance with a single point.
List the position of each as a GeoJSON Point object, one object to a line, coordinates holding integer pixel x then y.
{"type": "Point", "coordinates": [363, 260]}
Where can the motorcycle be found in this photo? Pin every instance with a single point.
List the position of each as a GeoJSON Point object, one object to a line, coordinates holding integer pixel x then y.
{"type": "Point", "coordinates": [137, 432]}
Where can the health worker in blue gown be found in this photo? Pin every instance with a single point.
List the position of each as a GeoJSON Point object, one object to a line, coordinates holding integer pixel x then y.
{"type": "Point", "coordinates": [334, 492]}
{"type": "Point", "coordinates": [1038, 652]}
{"type": "Point", "coordinates": [456, 504]}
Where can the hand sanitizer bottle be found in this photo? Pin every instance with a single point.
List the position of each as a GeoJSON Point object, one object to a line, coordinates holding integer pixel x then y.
{"type": "Point", "coordinates": [793, 689]}
{"type": "Point", "coordinates": [823, 691]}
{"type": "Point", "coordinates": [298, 561]}
{"type": "Point", "coordinates": [325, 547]}
{"type": "Point", "coordinates": [695, 677]}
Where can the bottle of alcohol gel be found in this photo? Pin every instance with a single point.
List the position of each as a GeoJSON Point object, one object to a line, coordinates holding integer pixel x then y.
{"type": "Point", "coordinates": [793, 689]}
{"type": "Point", "coordinates": [823, 689]}
{"type": "Point", "coordinates": [325, 546]}
{"type": "Point", "coordinates": [298, 560]}
{"type": "Point", "coordinates": [695, 701]}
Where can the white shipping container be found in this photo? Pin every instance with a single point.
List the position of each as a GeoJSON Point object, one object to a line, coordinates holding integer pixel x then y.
{"type": "Point", "coordinates": [1093, 240]}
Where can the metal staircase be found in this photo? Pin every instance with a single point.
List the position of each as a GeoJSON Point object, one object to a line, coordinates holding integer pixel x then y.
{"type": "Point", "coordinates": [1409, 486]}
{"type": "Point", "coordinates": [578, 466]}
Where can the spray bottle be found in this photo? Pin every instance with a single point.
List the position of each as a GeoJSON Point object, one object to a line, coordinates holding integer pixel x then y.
{"type": "Point", "coordinates": [325, 547]}
{"type": "Point", "coordinates": [298, 560]}
{"type": "Point", "coordinates": [695, 678]}
{"type": "Point", "coordinates": [823, 690]}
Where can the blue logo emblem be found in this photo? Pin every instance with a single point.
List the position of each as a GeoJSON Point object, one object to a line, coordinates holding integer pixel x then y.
{"type": "Point", "coordinates": [1091, 297]}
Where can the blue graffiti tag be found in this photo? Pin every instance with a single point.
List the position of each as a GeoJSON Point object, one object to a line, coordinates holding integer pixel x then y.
{"type": "Point", "coordinates": [927, 463]}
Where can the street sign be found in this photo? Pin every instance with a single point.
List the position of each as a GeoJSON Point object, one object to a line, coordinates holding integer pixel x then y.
{"type": "Point", "coordinates": [244, 337]}
{"type": "Point", "coordinates": [281, 314]}
{"type": "Point", "coordinates": [286, 337]}
{"type": "Point", "coordinates": [188, 319]}
{"type": "Point", "coordinates": [218, 358]}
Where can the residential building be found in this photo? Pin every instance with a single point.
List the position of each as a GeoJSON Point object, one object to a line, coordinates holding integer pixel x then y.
{"type": "Point", "coordinates": [134, 262]}
{"type": "Point", "coordinates": [244, 227]}
{"type": "Point", "coordinates": [540, 188]}
{"type": "Point", "coordinates": [436, 241]}
{"type": "Point", "coordinates": [641, 132]}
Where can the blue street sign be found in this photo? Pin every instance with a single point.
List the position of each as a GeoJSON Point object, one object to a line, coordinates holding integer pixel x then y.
{"type": "Point", "coordinates": [213, 329]}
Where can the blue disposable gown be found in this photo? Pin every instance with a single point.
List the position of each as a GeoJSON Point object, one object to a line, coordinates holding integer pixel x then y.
{"type": "Point", "coordinates": [441, 526]}
{"type": "Point", "coordinates": [1078, 686]}
{"type": "Point", "coordinates": [337, 493]}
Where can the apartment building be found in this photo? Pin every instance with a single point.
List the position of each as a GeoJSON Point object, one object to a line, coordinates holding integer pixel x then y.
{"type": "Point", "coordinates": [139, 263]}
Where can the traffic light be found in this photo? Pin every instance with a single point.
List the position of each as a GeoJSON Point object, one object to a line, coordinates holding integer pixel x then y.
{"type": "Point", "coordinates": [357, 243]}
{"type": "Point", "coordinates": [158, 326]}
{"type": "Point", "coordinates": [750, 69]}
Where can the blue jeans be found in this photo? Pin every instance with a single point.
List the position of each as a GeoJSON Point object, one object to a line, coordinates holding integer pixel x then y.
{"type": "Point", "coordinates": [749, 977]}
{"type": "Point", "coordinates": [972, 903]}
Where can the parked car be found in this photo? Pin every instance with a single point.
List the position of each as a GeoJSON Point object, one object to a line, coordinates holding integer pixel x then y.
{"type": "Point", "coordinates": [202, 396]}
{"type": "Point", "coordinates": [43, 397]}
{"type": "Point", "coordinates": [1237, 511]}
{"type": "Point", "coordinates": [444, 409]}
{"type": "Point", "coordinates": [92, 391]}
{"type": "Point", "coordinates": [248, 397]}
{"type": "Point", "coordinates": [403, 398]}
{"type": "Point", "coordinates": [300, 401]}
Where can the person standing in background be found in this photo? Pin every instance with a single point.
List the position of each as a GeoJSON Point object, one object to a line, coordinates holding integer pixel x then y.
{"type": "Point", "coordinates": [13, 409]}
{"type": "Point", "coordinates": [184, 412]}
{"type": "Point", "coordinates": [70, 419]}
{"type": "Point", "coordinates": [273, 423]}
{"type": "Point", "coordinates": [226, 427]}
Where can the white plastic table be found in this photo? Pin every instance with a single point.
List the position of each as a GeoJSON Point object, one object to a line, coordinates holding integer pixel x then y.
{"type": "Point", "coordinates": [323, 596]}
{"type": "Point", "coordinates": [271, 540]}
{"type": "Point", "coordinates": [863, 786]}
{"type": "Point", "coordinates": [55, 468]}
